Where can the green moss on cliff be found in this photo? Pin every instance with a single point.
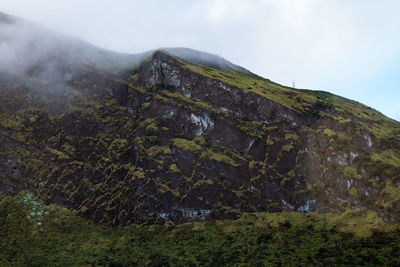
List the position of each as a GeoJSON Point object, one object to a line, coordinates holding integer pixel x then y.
{"type": "Point", "coordinates": [249, 83]}
{"type": "Point", "coordinates": [218, 157]}
{"type": "Point", "coordinates": [155, 150]}
{"type": "Point", "coordinates": [188, 145]}
{"type": "Point", "coordinates": [388, 157]}
{"type": "Point", "coordinates": [351, 173]}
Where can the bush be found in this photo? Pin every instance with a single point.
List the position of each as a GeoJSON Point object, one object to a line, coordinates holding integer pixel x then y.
{"type": "Point", "coordinates": [247, 129]}
{"type": "Point", "coordinates": [151, 131]}
{"type": "Point", "coordinates": [169, 87]}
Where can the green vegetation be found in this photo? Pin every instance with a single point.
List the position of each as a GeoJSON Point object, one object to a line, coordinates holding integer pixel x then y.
{"type": "Point", "coordinates": [292, 136]}
{"type": "Point", "coordinates": [200, 140]}
{"type": "Point", "coordinates": [218, 157]}
{"type": "Point", "coordinates": [353, 192]}
{"type": "Point", "coordinates": [188, 145]}
{"type": "Point", "coordinates": [335, 136]}
{"type": "Point", "coordinates": [155, 150]}
{"type": "Point", "coordinates": [368, 119]}
{"type": "Point", "coordinates": [287, 147]}
{"type": "Point", "coordinates": [247, 129]}
{"type": "Point", "coordinates": [250, 83]}
{"type": "Point", "coordinates": [173, 168]}
{"type": "Point", "coordinates": [36, 235]}
{"type": "Point", "coordinates": [111, 158]}
{"type": "Point", "coordinates": [169, 87]}
{"type": "Point", "coordinates": [388, 156]}
{"type": "Point", "coordinates": [269, 141]}
{"type": "Point", "coordinates": [329, 132]}
{"type": "Point", "coordinates": [175, 96]}
{"type": "Point", "coordinates": [351, 173]}
{"type": "Point", "coordinates": [146, 105]}
{"type": "Point", "coordinates": [151, 131]}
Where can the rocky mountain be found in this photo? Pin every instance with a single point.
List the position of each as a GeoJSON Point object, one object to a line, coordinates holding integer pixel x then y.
{"type": "Point", "coordinates": [181, 135]}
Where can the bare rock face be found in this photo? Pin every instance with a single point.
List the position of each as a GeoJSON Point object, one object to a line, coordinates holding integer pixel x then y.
{"type": "Point", "coordinates": [174, 141]}
{"type": "Point", "coordinates": [160, 70]}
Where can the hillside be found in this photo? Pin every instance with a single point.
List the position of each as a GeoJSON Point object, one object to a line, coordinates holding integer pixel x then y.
{"type": "Point", "coordinates": [153, 137]}
{"type": "Point", "coordinates": [180, 157]}
{"type": "Point", "coordinates": [40, 235]}
{"type": "Point", "coordinates": [171, 140]}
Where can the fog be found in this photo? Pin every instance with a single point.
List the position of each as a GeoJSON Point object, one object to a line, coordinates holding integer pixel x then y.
{"type": "Point", "coordinates": [25, 45]}
{"type": "Point", "coordinates": [31, 50]}
{"type": "Point", "coordinates": [18, 47]}
{"type": "Point", "coordinates": [350, 48]}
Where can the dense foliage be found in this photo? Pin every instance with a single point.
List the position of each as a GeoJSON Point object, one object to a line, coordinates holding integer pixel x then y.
{"type": "Point", "coordinates": [36, 235]}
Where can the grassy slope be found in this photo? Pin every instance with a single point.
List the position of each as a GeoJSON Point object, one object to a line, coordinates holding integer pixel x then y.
{"type": "Point", "coordinates": [251, 83]}
{"type": "Point", "coordinates": [38, 235]}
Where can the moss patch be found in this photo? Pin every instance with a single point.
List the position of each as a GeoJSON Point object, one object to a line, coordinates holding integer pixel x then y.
{"type": "Point", "coordinates": [218, 157]}
{"type": "Point", "coordinates": [188, 145]}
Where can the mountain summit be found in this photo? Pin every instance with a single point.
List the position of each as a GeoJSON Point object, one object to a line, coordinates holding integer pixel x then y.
{"type": "Point", "coordinates": [181, 135]}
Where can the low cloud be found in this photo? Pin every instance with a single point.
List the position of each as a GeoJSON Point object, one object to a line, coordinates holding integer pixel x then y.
{"type": "Point", "coordinates": [23, 45]}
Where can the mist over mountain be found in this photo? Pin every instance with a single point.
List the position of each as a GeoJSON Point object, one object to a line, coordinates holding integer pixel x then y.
{"type": "Point", "coordinates": [176, 135]}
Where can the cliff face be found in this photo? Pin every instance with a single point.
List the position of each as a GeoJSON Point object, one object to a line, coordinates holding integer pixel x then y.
{"type": "Point", "coordinates": [173, 140]}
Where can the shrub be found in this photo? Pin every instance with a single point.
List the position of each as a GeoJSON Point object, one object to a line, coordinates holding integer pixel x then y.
{"type": "Point", "coordinates": [151, 131]}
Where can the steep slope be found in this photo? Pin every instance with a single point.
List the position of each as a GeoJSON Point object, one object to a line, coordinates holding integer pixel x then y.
{"type": "Point", "coordinates": [155, 137]}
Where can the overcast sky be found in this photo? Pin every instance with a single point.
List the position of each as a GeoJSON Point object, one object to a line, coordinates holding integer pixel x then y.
{"type": "Point", "coordinates": [348, 47]}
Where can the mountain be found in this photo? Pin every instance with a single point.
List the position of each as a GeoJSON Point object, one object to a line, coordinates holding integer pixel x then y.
{"type": "Point", "coordinates": [180, 135]}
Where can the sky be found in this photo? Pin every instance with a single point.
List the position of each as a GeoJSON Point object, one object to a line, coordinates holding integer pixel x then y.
{"type": "Point", "coordinates": [347, 47]}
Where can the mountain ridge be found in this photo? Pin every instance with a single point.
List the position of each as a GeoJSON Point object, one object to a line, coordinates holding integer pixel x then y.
{"type": "Point", "coordinates": [156, 137]}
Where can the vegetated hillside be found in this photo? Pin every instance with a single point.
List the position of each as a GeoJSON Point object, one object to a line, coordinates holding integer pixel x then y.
{"type": "Point", "coordinates": [33, 234]}
{"type": "Point", "coordinates": [155, 137]}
